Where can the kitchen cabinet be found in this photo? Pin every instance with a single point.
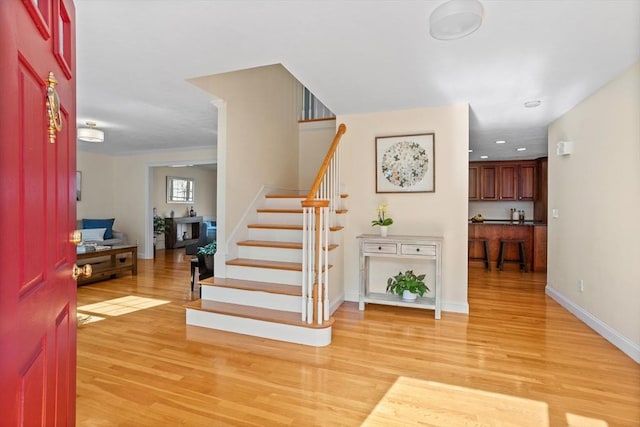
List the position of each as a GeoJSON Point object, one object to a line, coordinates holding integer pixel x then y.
{"type": "Point", "coordinates": [527, 181]}
{"type": "Point", "coordinates": [474, 182]}
{"type": "Point", "coordinates": [540, 202]}
{"type": "Point", "coordinates": [502, 181]}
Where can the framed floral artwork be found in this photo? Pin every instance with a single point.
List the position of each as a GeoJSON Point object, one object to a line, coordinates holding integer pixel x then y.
{"type": "Point", "coordinates": [405, 164]}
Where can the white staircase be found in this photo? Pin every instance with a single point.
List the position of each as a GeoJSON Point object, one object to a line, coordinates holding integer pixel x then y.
{"type": "Point", "coordinates": [262, 294]}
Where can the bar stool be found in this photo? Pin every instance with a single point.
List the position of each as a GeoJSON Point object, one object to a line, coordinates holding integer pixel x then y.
{"type": "Point", "coordinates": [522, 259]}
{"type": "Point", "coordinates": [486, 258]}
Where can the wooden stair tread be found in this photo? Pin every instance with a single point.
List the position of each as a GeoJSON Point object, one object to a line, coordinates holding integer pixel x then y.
{"type": "Point", "coordinates": [262, 263]}
{"type": "Point", "coordinates": [295, 196]}
{"type": "Point", "coordinates": [291, 211]}
{"type": "Point", "coordinates": [256, 313]}
{"type": "Point", "coordinates": [250, 285]}
{"type": "Point", "coordinates": [276, 226]}
{"type": "Point", "coordinates": [288, 227]}
{"type": "Point", "coordinates": [286, 196]}
{"type": "Point", "coordinates": [274, 244]}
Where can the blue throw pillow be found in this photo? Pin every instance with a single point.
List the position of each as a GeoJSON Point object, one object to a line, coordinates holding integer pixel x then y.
{"type": "Point", "coordinates": [100, 223]}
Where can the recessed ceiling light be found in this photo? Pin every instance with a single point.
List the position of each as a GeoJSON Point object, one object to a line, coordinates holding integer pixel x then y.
{"type": "Point", "coordinates": [501, 142]}
{"type": "Point", "coordinates": [533, 103]}
{"type": "Point", "coordinates": [521, 149]}
{"type": "Point", "coordinates": [455, 19]}
{"type": "Point", "coordinates": [470, 150]}
{"type": "Point", "coordinates": [484, 157]}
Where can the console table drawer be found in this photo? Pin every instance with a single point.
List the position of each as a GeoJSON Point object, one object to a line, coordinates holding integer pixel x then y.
{"type": "Point", "coordinates": [380, 248]}
{"type": "Point", "coordinates": [422, 250]}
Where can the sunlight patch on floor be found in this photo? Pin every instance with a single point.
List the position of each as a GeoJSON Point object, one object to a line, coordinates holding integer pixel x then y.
{"type": "Point", "coordinates": [412, 402]}
{"type": "Point", "coordinates": [574, 420]}
{"type": "Point", "coordinates": [120, 306]}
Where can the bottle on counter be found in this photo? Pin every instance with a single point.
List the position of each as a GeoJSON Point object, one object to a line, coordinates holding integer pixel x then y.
{"type": "Point", "coordinates": [521, 216]}
{"type": "Point", "coordinates": [514, 214]}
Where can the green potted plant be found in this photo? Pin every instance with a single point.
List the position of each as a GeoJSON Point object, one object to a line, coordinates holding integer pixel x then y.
{"type": "Point", "coordinates": [408, 285]}
{"type": "Point", "coordinates": [205, 256]}
{"type": "Point", "coordinates": [382, 219]}
{"type": "Point", "coordinates": [159, 225]}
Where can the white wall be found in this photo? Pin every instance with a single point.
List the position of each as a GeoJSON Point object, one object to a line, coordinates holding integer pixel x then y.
{"type": "Point", "coordinates": [443, 213]}
{"type": "Point", "coordinates": [125, 186]}
{"type": "Point", "coordinates": [314, 142]}
{"type": "Point", "coordinates": [597, 192]}
{"type": "Point", "coordinates": [261, 140]}
{"type": "Point", "coordinates": [97, 186]}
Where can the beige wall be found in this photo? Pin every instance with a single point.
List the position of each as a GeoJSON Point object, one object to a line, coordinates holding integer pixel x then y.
{"type": "Point", "coordinates": [261, 136]}
{"type": "Point", "coordinates": [97, 186]}
{"type": "Point", "coordinates": [443, 213]}
{"type": "Point", "coordinates": [314, 142]}
{"type": "Point", "coordinates": [597, 192]}
{"type": "Point", "coordinates": [205, 186]}
{"type": "Point", "coordinates": [125, 185]}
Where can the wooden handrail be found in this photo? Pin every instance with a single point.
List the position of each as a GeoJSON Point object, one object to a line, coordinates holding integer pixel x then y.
{"type": "Point", "coordinates": [325, 164]}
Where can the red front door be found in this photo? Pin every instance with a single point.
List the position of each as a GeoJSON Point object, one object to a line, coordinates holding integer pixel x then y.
{"type": "Point", "coordinates": [37, 206]}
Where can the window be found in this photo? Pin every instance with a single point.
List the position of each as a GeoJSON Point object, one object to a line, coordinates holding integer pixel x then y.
{"type": "Point", "coordinates": [179, 190]}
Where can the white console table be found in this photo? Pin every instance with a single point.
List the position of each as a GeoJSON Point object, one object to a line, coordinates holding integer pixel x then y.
{"type": "Point", "coordinates": [428, 249]}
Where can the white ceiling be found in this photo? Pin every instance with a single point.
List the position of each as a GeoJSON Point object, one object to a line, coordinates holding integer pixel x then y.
{"type": "Point", "coordinates": [134, 57]}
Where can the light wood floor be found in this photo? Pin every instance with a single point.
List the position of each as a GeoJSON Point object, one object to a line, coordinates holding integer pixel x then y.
{"type": "Point", "coordinates": [517, 356]}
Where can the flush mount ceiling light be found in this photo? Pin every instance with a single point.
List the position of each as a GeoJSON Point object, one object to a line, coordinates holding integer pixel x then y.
{"type": "Point", "coordinates": [455, 19]}
{"type": "Point", "coordinates": [521, 149]}
{"type": "Point", "coordinates": [484, 157]}
{"type": "Point", "coordinates": [90, 134]}
{"type": "Point", "coordinates": [533, 103]}
{"type": "Point", "coordinates": [501, 142]}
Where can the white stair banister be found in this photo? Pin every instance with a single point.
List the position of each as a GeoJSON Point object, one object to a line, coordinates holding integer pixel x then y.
{"type": "Point", "coordinates": [319, 216]}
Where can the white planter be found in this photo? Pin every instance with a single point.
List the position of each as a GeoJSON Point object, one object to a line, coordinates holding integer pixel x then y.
{"type": "Point", "coordinates": [383, 230]}
{"type": "Point", "coordinates": [409, 296]}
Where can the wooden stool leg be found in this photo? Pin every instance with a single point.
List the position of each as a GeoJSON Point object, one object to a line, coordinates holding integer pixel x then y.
{"type": "Point", "coordinates": [500, 264]}
{"type": "Point", "coordinates": [523, 258]}
{"type": "Point", "coordinates": [487, 259]}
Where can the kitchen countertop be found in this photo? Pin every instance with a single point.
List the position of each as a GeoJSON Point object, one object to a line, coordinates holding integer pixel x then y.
{"type": "Point", "coordinates": [507, 222]}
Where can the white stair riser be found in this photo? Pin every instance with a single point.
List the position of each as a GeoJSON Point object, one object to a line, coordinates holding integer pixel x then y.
{"type": "Point", "coordinates": [285, 277]}
{"type": "Point", "coordinates": [253, 298]}
{"type": "Point", "coordinates": [279, 218]}
{"type": "Point", "coordinates": [259, 328]}
{"type": "Point", "coordinates": [275, 235]}
{"type": "Point", "coordinates": [283, 203]}
{"type": "Point", "coordinates": [271, 254]}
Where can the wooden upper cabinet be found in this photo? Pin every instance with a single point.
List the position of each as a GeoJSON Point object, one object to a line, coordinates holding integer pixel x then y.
{"type": "Point", "coordinates": [508, 187]}
{"type": "Point", "coordinates": [488, 183]}
{"type": "Point", "coordinates": [527, 181]}
{"type": "Point", "coordinates": [503, 181]}
{"type": "Point", "coordinates": [474, 182]}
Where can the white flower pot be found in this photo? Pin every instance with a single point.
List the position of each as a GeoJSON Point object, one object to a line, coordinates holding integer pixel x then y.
{"type": "Point", "coordinates": [409, 296]}
{"type": "Point", "coordinates": [383, 230]}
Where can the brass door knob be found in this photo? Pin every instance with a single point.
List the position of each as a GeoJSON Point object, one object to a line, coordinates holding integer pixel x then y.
{"type": "Point", "coordinates": [84, 271]}
{"type": "Point", "coordinates": [76, 237]}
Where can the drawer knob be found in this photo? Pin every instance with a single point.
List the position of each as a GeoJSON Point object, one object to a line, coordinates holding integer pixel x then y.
{"type": "Point", "coordinates": [417, 249]}
{"type": "Point", "coordinates": [379, 248]}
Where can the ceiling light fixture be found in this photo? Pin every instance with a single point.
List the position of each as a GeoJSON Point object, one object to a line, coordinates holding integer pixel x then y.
{"type": "Point", "coordinates": [532, 104]}
{"type": "Point", "coordinates": [471, 151]}
{"type": "Point", "coordinates": [90, 133]}
{"type": "Point", "coordinates": [484, 157]}
{"type": "Point", "coordinates": [501, 142]}
{"type": "Point", "coordinates": [521, 149]}
{"type": "Point", "coordinates": [455, 19]}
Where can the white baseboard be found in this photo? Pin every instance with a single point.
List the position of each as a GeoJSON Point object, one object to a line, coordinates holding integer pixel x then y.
{"type": "Point", "coordinates": [627, 346]}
